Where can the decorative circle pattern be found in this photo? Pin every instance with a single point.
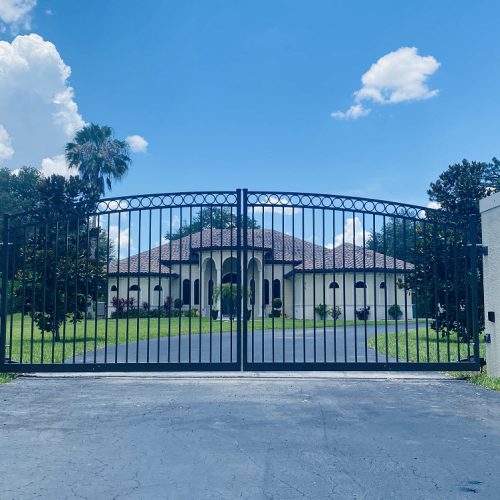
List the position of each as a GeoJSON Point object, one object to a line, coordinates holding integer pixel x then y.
{"type": "Point", "coordinates": [265, 199]}
{"type": "Point", "coordinates": [349, 203]}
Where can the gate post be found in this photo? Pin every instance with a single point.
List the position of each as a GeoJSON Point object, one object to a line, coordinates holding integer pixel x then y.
{"type": "Point", "coordinates": [490, 226]}
{"type": "Point", "coordinates": [473, 226]}
{"type": "Point", "coordinates": [3, 304]}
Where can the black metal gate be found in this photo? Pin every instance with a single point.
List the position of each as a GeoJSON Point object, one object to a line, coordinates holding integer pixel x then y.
{"type": "Point", "coordinates": [240, 280]}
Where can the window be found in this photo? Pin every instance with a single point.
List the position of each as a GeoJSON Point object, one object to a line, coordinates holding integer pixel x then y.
{"type": "Point", "coordinates": [252, 292]}
{"type": "Point", "coordinates": [158, 288]}
{"type": "Point", "coordinates": [266, 292]}
{"type": "Point", "coordinates": [276, 289]}
{"type": "Point", "coordinates": [360, 284]}
{"type": "Point", "coordinates": [186, 292]}
{"type": "Point", "coordinates": [382, 285]}
{"type": "Point", "coordinates": [197, 292]}
{"type": "Point", "coordinates": [114, 288]}
{"type": "Point", "coordinates": [210, 292]}
{"type": "Point", "coordinates": [334, 284]}
{"type": "Point", "coordinates": [134, 288]}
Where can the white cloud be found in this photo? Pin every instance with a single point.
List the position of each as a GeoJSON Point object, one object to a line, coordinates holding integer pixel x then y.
{"type": "Point", "coordinates": [354, 112]}
{"type": "Point", "coordinates": [6, 150]}
{"type": "Point", "coordinates": [37, 105]}
{"type": "Point", "coordinates": [57, 165]}
{"type": "Point", "coordinates": [121, 239]}
{"type": "Point", "coordinates": [353, 231]}
{"type": "Point", "coordinates": [396, 77]}
{"type": "Point", "coordinates": [434, 204]}
{"type": "Point", "coordinates": [281, 205]}
{"type": "Point", "coordinates": [137, 143]}
{"type": "Point", "coordinates": [16, 13]}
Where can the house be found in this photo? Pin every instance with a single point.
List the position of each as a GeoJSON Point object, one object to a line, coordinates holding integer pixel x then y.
{"type": "Point", "coordinates": [301, 273]}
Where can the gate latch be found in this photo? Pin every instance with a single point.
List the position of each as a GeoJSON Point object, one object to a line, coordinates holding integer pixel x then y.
{"type": "Point", "coordinates": [483, 249]}
{"type": "Point", "coordinates": [487, 338]}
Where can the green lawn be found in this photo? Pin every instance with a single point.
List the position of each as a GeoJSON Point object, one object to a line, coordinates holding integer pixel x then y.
{"type": "Point", "coordinates": [6, 377]}
{"type": "Point", "coordinates": [78, 339]}
{"type": "Point", "coordinates": [397, 347]}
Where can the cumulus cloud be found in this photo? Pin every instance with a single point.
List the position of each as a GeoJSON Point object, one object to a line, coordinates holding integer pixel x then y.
{"type": "Point", "coordinates": [396, 77]}
{"type": "Point", "coordinates": [37, 106]}
{"type": "Point", "coordinates": [434, 204]}
{"type": "Point", "coordinates": [16, 14]}
{"type": "Point", "coordinates": [353, 231]}
{"type": "Point", "coordinates": [281, 205]}
{"type": "Point", "coordinates": [121, 240]}
{"type": "Point", "coordinates": [6, 150]}
{"type": "Point", "coordinates": [56, 165]}
{"type": "Point", "coordinates": [354, 112]}
{"type": "Point", "coordinates": [137, 143]}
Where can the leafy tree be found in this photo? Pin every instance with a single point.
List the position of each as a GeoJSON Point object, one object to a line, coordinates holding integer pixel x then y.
{"type": "Point", "coordinates": [458, 190]}
{"type": "Point", "coordinates": [395, 239]}
{"type": "Point", "coordinates": [63, 255]}
{"type": "Point", "coordinates": [18, 191]}
{"type": "Point", "coordinates": [438, 250]}
{"type": "Point", "coordinates": [98, 157]}
{"type": "Point", "coordinates": [206, 218]}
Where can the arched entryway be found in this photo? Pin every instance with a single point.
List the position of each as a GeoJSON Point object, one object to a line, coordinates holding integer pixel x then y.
{"type": "Point", "coordinates": [229, 280]}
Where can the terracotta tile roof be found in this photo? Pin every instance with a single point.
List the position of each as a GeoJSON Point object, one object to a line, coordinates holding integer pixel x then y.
{"type": "Point", "coordinates": [288, 249]}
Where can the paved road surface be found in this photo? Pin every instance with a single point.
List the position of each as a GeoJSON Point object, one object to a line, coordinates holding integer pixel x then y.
{"type": "Point", "coordinates": [343, 346]}
{"type": "Point", "coordinates": [255, 438]}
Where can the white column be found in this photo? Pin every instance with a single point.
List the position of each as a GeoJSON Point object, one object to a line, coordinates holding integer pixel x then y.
{"type": "Point", "coordinates": [490, 224]}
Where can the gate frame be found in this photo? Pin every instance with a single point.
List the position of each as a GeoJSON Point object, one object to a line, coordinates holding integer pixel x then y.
{"type": "Point", "coordinates": [242, 363]}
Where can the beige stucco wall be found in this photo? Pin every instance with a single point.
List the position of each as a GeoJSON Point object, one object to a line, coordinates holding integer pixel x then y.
{"type": "Point", "coordinates": [349, 298]}
{"type": "Point", "coordinates": [490, 223]}
{"type": "Point", "coordinates": [216, 264]}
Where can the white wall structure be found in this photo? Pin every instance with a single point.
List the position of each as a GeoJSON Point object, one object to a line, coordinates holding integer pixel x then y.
{"type": "Point", "coordinates": [300, 273]}
{"type": "Point", "coordinates": [490, 223]}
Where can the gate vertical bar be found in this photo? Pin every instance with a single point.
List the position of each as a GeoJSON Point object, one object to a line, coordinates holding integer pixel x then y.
{"type": "Point", "coordinates": [242, 246]}
{"type": "Point", "coordinates": [473, 226]}
{"type": "Point", "coordinates": [5, 270]}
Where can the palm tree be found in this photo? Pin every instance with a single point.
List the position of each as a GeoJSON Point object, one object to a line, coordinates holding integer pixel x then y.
{"type": "Point", "coordinates": [98, 156]}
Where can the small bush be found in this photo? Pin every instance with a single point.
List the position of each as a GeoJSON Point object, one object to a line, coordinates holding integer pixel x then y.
{"type": "Point", "coordinates": [178, 303]}
{"type": "Point", "coordinates": [193, 313]}
{"type": "Point", "coordinates": [122, 304]}
{"type": "Point", "coordinates": [277, 303]}
{"type": "Point", "coordinates": [335, 312]}
{"type": "Point", "coordinates": [321, 311]}
{"type": "Point", "coordinates": [363, 313]}
{"type": "Point", "coordinates": [395, 311]}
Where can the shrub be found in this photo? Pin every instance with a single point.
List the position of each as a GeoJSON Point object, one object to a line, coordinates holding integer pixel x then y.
{"type": "Point", "coordinates": [363, 313]}
{"type": "Point", "coordinates": [193, 313]}
{"type": "Point", "coordinates": [121, 304]}
{"type": "Point", "coordinates": [395, 311]}
{"type": "Point", "coordinates": [135, 313]}
{"type": "Point", "coordinates": [167, 303]}
{"type": "Point", "coordinates": [145, 305]}
{"type": "Point", "coordinates": [321, 310]}
{"type": "Point", "coordinates": [277, 303]}
{"type": "Point", "coordinates": [335, 312]}
{"type": "Point", "coordinates": [178, 303]}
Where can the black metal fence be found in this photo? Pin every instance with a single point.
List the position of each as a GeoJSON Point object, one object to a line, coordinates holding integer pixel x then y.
{"type": "Point", "coordinates": [240, 280]}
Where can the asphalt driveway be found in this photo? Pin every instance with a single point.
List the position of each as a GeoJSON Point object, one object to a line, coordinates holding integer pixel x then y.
{"type": "Point", "coordinates": [343, 345]}
{"type": "Point", "coordinates": [248, 437]}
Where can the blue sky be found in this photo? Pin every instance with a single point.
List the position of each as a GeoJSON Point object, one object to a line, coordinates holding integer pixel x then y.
{"type": "Point", "coordinates": [241, 94]}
